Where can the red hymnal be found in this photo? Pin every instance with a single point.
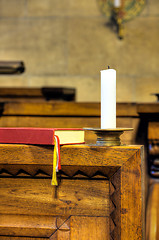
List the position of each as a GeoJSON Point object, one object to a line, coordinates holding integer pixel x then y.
{"type": "Point", "coordinates": [44, 136]}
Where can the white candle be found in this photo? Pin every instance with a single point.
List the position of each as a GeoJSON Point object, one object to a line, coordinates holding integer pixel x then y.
{"type": "Point", "coordinates": [108, 99]}
{"type": "Point", "coordinates": [117, 3]}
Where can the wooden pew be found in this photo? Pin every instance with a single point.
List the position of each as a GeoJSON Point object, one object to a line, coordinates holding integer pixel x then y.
{"type": "Point", "coordinates": [152, 213]}
{"type": "Point", "coordinates": [66, 114]}
{"type": "Point", "coordinates": [38, 107]}
{"type": "Point", "coordinates": [100, 194]}
{"type": "Point", "coordinates": [37, 94]}
{"type": "Point", "coordinates": [149, 117]}
{"type": "Point", "coordinates": [34, 107]}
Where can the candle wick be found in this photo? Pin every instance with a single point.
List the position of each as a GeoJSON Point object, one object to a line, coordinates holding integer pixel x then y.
{"type": "Point", "coordinates": [108, 67]}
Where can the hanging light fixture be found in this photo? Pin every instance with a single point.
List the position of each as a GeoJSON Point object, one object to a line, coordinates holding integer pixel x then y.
{"type": "Point", "coordinates": [121, 11]}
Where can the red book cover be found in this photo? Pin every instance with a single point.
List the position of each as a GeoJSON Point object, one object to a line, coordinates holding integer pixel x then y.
{"type": "Point", "coordinates": [44, 136]}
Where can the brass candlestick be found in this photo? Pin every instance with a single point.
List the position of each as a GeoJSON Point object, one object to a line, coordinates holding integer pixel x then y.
{"type": "Point", "coordinates": [108, 137]}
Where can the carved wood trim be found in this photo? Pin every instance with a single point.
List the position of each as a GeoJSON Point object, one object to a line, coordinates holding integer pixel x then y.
{"type": "Point", "coordinates": [115, 205]}
{"type": "Point", "coordinates": [21, 173]}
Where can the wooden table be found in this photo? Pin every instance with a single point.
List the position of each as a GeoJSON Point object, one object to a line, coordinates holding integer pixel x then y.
{"type": "Point", "coordinates": [100, 193]}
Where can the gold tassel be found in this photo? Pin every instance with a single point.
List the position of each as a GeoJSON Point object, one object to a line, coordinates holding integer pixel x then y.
{"type": "Point", "coordinates": [54, 176]}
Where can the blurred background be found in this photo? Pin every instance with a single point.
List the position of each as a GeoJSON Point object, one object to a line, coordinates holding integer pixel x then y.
{"type": "Point", "coordinates": [66, 43]}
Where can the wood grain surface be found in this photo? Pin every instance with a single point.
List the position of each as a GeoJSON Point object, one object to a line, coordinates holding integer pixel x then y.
{"type": "Point", "coordinates": [64, 108]}
{"type": "Point", "coordinates": [38, 197]}
{"type": "Point", "coordinates": [101, 193]}
{"type": "Point", "coordinates": [152, 214]}
{"type": "Point", "coordinates": [76, 155]}
{"type": "Point", "coordinates": [146, 108]}
{"type": "Point", "coordinates": [86, 228]}
{"type": "Point", "coordinates": [153, 131]}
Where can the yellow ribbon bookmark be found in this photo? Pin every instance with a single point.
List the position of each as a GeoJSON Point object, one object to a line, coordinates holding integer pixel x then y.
{"type": "Point", "coordinates": [55, 156]}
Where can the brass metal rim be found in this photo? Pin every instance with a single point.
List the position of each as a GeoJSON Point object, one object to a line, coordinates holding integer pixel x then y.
{"type": "Point", "coordinates": [108, 137]}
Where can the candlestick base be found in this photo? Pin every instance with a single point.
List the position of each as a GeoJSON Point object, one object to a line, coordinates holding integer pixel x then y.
{"type": "Point", "coordinates": [108, 137]}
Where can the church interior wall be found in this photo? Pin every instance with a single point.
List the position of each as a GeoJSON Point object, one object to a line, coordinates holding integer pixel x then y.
{"type": "Point", "coordinates": [66, 43]}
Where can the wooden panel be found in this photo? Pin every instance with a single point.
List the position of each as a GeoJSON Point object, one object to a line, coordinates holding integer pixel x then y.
{"type": "Point", "coordinates": [152, 218]}
{"type": "Point", "coordinates": [55, 122]}
{"type": "Point", "coordinates": [132, 208]}
{"type": "Point", "coordinates": [19, 92]}
{"type": "Point", "coordinates": [37, 196]}
{"type": "Point", "coordinates": [34, 94]}
{"type": "Point", "coordinates": [117, 198]}
{"type": "Point", "coordinates": [52, 109]}
{"type": "Point", "coordinates": [25, 225]}
{"type": "Point", "coordinates": [61, 235]}
{"type": "Point", "coordinates": [148, 108]}
{"type": "Point", "coordinates": [86, 228]}
{"type": "Point", "coordinates": [126, 109]}
{"type": "Point", "coordinates": [64, 109]}
{"type": "Point", "coordinates": [153, 130]}
{"type": "Point", "coordinates": [40, 227]}
{"type": "Point", "coordinates": [14, 154]}
{"type": "Point", "coordinates": [102, 156]}
{"type": "Point", "coordinates": [81, 155]}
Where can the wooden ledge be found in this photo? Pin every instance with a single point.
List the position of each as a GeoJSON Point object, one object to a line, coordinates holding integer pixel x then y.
{"type": "Point", "coordinates": [70, 155]}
